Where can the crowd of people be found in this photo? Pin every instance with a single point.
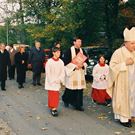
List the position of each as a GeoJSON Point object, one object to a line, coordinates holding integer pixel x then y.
{"type": "Point", "coordinates": [113, 83]}
{"type": "Point", "coordinates": [19, 60]}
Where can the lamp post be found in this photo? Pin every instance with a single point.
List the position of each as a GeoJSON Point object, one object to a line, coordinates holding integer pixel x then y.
{"type": "Point", "coordinates": [7, 29]}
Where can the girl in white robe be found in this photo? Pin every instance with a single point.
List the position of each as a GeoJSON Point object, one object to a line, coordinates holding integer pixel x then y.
{"type": "Point", "coordinates": [99, 85]}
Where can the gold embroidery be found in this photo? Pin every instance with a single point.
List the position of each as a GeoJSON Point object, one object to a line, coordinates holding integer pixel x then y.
{"type": "Point", "coordinates": [82, 82]}
{"type": "Point", "coordinates": [75, 83]}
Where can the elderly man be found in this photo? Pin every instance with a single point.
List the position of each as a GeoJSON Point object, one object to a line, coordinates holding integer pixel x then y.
{"type": "Point", "coordinates": [36, 60]}
{"type": "Point", "coordinates": [4, 63]}
{"type": "Point", "coordinates": [121, 81]}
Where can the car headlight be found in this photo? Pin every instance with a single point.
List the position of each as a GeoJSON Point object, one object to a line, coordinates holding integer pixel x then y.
{"type": "Point", "coordinates": [92, 63]}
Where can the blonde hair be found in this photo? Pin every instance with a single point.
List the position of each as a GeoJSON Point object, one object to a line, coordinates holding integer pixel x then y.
{"type": "Point", "coordinates": [20, 47]}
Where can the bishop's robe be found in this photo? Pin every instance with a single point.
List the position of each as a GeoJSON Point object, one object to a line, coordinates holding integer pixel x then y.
{"type": "Point", "coordinates": [121, 85]}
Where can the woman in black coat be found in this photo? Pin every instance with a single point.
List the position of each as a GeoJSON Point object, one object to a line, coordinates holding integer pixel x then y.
{"type": "Point", "coordinates": [21, 60]}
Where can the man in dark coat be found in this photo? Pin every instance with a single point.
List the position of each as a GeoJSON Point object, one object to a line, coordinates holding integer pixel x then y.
{"type": "Point", "coordinates": [4, 63]}
{"type": "Point", "coordinates": [36, 60]}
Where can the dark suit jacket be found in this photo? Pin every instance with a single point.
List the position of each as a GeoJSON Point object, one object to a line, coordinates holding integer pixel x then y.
{"type": "Point", "coordinates": [36, 59]}
{"type": "Point", "coordinates": [4, 63]}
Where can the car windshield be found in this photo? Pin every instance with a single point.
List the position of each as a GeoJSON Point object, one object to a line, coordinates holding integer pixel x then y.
{"type": "Point", "coordinates": [95, 52]}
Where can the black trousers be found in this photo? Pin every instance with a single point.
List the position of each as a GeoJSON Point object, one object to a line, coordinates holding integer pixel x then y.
{"type": "Point", "coordinates": [11, 72]}
{"type": "Point", "coordinates": [73, 97]}
{"type": "Point", "coordinates": [3, 83]}
{"type": "Point", "coordinates": [36, 77]}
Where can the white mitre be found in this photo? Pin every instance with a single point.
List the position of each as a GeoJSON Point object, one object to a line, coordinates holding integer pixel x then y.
{"type": "Point", "coordinates": [129, 35]}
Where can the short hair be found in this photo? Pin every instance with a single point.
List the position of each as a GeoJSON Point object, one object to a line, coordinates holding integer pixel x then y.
{"type": "Point", "coordinates": [2, 44]}
{"type": "Point", "coordinates": [57, 42]}
{"type": "Point", "coordinates": [37, 41]}
{"type": "Point", "coordinates": [11, 45]}
{"type": "Point", "coordinates": [76, 38]}
{"type": "Point", "coordinates": [101, 55]}
{"type": "Point", "coordinates": [55, 49]}
{"type": "Point", "coordinates": [20, 47]}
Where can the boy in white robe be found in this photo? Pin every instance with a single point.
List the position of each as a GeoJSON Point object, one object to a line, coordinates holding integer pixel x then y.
{"type": "Point", "coordinates": [54, 77]}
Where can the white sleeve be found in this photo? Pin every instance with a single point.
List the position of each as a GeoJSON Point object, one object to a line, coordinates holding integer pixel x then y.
{"type": "Point", "coordinates": [95, 73]}
{"type": "Point", "coordinates": [69, 69]}
{"type": "Point", "coordinates": [62, 77]}
{"type": "Point", "coordinates": [49, 76]}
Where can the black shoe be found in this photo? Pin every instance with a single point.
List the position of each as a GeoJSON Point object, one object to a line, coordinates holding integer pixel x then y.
{"type": "Point", "coordinates": [39, 84]}
{"type": "Point", "coordinates": [108, 101]}
{"type": "Point", "coordinates": [126, 124]}
{"type": "Point", "coordinates": [104, 104]}
{"type": "Point", "coordinates": [20, 86]}
{"type": "Point", "coordinates": [34, 84]}
{"type": "Point", "coordinates": [94, 101]}
{"type": "Point", "coordinates": [66, 105]}
{"type": "Point", "coordinates": [79, 108]}
{"type": "Point", "coordinates": [130, 123]}
{"type": "Point", "coordinates": [54, 113]}
{"type": "Point", "coordinates": [3, 89]}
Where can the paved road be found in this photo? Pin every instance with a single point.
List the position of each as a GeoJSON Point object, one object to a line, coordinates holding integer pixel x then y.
{"type": "Point", "coordinates": [26, 112]}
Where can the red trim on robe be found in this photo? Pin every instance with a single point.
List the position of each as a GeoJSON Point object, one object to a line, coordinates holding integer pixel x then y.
{"type": "Point", "coordinates": [55, 59]}
{"type": "Point", "coordinates": [101, 64]}
{"type": "Point", "coordinates": [53, 99]}
{"type": "Point", "coordinates": [99, 96]}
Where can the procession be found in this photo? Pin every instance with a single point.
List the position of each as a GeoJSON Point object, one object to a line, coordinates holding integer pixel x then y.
{"type": "Point", "coordinates": [67, 67]}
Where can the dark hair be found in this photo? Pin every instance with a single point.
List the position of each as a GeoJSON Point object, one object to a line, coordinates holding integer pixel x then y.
{"type": "Point", "coordinates": [11, 45]}
{"type": "Point", "coordinates": [101, 55]}
{"type": "Point", "coordinates": [54, 49]}
{"type": "Point", "coordinates": [57, 42]}
{"type": "Point", "coordinates": [37, 41]}
{"type": "Point", "coordinates": [76, 38]}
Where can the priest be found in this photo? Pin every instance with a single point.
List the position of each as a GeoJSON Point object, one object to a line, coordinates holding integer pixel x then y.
{"type": "Point", "coordinates": [75, 66]}
{"type": "Point", "coordinates": [121, 81]}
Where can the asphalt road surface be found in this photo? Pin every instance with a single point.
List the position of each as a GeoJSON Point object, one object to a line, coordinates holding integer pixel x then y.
{"type": "Point", "coordinates": [26, 113]}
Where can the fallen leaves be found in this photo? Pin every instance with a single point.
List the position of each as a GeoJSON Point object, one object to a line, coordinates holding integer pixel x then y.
{"type": "Point", "coordinates": [1, 127]}
{"type": "Point", "coordinates": [133, 119]}
{"type": "Point", "coordinates": [132, 132]}
{"type": "Point", "coordinates": [38, 118]}
{"type": "Point", "coordinates": [4, 128]}
{"type": "Point", "coordinates": [117, 133]}
{"type": "Point", "coordinates": [102, 116]}
{"type": "Point", "coordinates": [44, 128]}
{"type": "Point", "coordinates": [9, 105]}
{"type": "Point", "coordinates": [30, 116]}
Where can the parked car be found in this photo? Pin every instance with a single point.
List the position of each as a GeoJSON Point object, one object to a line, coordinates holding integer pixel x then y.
{"type": "Point", "coordinates": [93, 54]}
{"type": "Point", "coordinates": [47, 55]}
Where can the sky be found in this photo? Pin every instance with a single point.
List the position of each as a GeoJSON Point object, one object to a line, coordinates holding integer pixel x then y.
{"type": "Point", "coordinates": [2, 14]}
{"type": "Point", "coordinates": [2, 0]}
{"type": "Point", "coordinates": [5, 8]}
